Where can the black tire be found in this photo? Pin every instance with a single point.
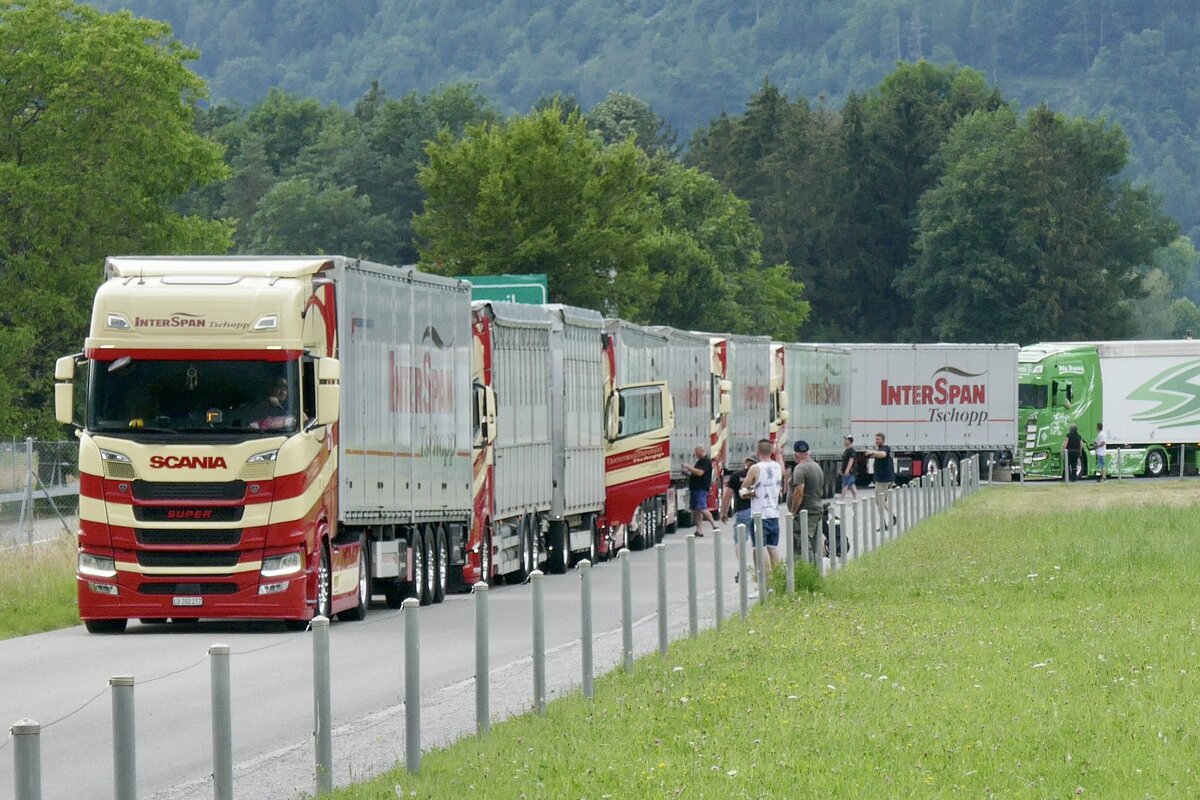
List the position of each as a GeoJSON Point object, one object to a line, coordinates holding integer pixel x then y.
{"type": "Point", "coordinates": [105, 625]}
{"type": "Point", "coordinates": [558, 553]}
{"type": "Point", "coordinates": [525, 553]}
{"type": "Point", "coordinates": [932, 465]}
{"type": "Point", "coordinates": [359, 611]}
{"type": "Point", "coordinates": [636, 538]}
{"type": "Point", "coordinates": [485, 558]}
{"type": "Point", "coordinates": [430, 567]}
{"type": "Point", "coordinates": [1082, 471]}
{"type": "Point", "coordinates": [324, 606]}
{"type": "Point", "coordinates": [441, 554]}
{"type": "Point", "coordinates": [951, 464]}
{"type": "Point", "coordinates": [1156, 463]}
{"type": "Point", "coordinates": [393, 594]}
{"type": "Point", "coordinates": [414, 587]}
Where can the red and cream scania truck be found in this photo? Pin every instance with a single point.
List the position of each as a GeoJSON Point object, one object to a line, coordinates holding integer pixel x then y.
{"type": "Point", "coordinates": [280, 437]}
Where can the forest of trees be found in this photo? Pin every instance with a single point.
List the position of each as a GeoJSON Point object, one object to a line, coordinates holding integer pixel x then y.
{"type": "Point", "coordinates": [929, 205]}
{"type": "Point", "coordinates": [1133, 61]}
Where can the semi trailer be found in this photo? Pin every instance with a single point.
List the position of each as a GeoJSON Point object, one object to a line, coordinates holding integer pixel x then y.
{"type": "Point", "coordinates": [817, 380]}
{"type": "Point", "coordinates": [1144, 393]}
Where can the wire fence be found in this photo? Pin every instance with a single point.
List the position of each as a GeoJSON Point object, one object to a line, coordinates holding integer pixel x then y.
{"type": "Point", "coordinates": [39, 491]}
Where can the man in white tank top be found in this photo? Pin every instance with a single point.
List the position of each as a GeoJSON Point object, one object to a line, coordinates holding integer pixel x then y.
{"type": "Point", "coordinates": [762, 485]}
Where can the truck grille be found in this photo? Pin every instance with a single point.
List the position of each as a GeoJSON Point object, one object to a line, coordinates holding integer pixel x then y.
{"type": "Point", "coordinates": [156, 558]}
{"type": "Point", "coordinates": [187, 514]}
{"type": "Point", "coordinates": [181, 536]}
{"type": "Point", "coordinates": [157, 490]}
{"type": "Point", "coordinates": [211, 587]}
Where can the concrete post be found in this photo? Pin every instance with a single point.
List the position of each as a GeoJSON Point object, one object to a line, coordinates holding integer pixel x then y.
{"type": "Point", "coordinates": [585, 625]}
{"type": "Point", "coordinates": [743, 575]}
{"type": "Point", "coordinates": [660, 558]}
{"type": "Point", "coordinates": [483, 699]}
{"type": "Point", "coordinates": [27, 759]}
{"type": "Point", "coordinates": [760, 558]}
{"type": "Point", "coordinates": [124, 738]}
{"type": "Point", "coordinates": [412, 684]}
{"type": "Point", "coordinates": [626, 611]}
{"type": "Point", "coordinates": [539, 642]}
{"type": "Point", "coordinates": [693, 610]}
{"type": "Point", "coordinates": [789, 545]}
{"type": "Point", "coordinates": [222, 722]}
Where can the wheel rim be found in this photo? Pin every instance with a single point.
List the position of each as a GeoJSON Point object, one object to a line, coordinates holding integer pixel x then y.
{"type": "Point", "coordinates": [323, 592]}
{"type": "Point", "coordinates": [485, 558]}
{"type": "Point", "coordinates": [443, 557]}
{"type": "Point", "coordinates": [363, 597]}
{"type": "Point", "coordinates": [430, 565]}
{"type": "Point", "coordinates": [1155, 462]}
{"type": "Point", "coordinates": [419, 566]}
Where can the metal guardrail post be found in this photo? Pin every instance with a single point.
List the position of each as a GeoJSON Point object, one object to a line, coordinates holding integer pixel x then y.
{"type": "Point", "coordinates": [322, 706]}
{"type": "Point", "coordinates": [718, 578]}
{"type": "Point", "coordinates": [760, 558]}
{"type": "Point", "coordinates": [412, 684]}
{"type": "Point", "coordinates": [27, 500]}
{"type": "Point", "coordinates": [789, 546]}
{"type": "Point", "coordinates": [222, 722]}
{"type": "Point", "coordinates": [585, 625]}
{"type": "Point", "coordinates": [626, 611]}
{"type": "Point", "coordinates": [743, 576]}
{"type": "Point", "coordinates": [693, 600]}
{"type": "Point", "coordinates": [124, 738]}
{"type": "Point", "coordinates": [483, 712]}
{"type": "Point", "coordinates": [806, 553]}
{"type": "Point", "coordinates": [27, 759]}
{"type": "Point", "coordinates": [660, 558]}
{"type": "Point", "coordinates": [539, 642]}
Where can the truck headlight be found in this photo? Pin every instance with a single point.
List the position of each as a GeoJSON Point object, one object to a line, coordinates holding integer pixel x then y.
{"type": "Point", "coordinates": [1040, 456]}
{"type": "Point", "coordinates": [97, 566]}
{"type": "Point", "coordinates": [287, 564]}
{"type": "Point", "coordinates": [109, 455]}
{"type": "Point", "coordinates": [263, 458]}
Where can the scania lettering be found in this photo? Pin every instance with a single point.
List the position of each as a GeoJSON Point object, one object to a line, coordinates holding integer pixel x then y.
{"type": "Point", "coordinates": [1146, 394]}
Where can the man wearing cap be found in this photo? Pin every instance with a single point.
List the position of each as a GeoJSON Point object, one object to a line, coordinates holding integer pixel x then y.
{"type": "Point", "coordinates": [808, 481]}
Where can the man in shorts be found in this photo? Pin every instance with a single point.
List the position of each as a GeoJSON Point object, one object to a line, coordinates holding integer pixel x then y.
{"type": "Point", "coordinates": [762, 486]}
{"type": "Point", "coordinates": [699, 482]}
{"type": "Point", "coordinates": [849, 471]}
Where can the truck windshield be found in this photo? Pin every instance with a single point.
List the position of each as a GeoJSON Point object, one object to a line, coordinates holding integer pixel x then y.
{"type": "Point", "coordinates": [193, 398]}
{"type": "Point", "coordinates": [1031, 395]}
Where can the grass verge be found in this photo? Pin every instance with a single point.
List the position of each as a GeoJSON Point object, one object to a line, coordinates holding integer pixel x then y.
{"type": "Point", "coordinates": [38, 588]}
{"type": "Point", "coordinates": [1036, 643]}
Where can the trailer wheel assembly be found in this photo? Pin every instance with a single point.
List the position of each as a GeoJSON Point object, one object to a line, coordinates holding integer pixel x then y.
{"type": "Point", "coordinates": [1156, 463]}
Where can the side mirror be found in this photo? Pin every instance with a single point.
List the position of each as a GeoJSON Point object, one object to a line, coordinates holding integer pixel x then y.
{"type": "Point", "coordinates": [64, 390]}
{"type": "Point", "coordinates": [329, 391]}
{"type": "Point", "coordinates": [612, 420]}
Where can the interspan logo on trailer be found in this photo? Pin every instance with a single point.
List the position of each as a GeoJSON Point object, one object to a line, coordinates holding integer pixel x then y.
{"type": "Point", "coordinates": [944, 394]}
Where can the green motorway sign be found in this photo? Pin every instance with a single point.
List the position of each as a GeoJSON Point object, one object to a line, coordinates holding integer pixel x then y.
{"type": "Point", "coordinates": [531, 289]}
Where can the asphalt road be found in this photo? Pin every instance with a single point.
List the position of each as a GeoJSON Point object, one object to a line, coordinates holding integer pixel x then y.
{"type": "Point", "coordinates": [60, 679]}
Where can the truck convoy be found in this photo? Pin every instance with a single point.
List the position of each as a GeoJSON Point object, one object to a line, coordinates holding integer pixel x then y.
{"type": "Point", "coordinates": [1145, 394]}
{"type": "Point", "coordinates": [276, 438]}
{"type": "Point", "coordinates": [935, 403]}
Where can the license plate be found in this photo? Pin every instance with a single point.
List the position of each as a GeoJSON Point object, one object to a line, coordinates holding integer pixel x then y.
{"type": "Point", "coordinates": [187, 601]}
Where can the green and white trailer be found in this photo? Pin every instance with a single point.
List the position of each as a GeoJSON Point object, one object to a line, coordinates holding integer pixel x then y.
{"type": "Point", "coordinates": [1147, 394]}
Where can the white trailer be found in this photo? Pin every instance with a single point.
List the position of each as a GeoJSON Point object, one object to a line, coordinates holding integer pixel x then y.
{"type": "Point", "coordinates": [753, 413]}
{"type": "Point", "coordinates": [817, 379]}
{"type": "Point", "coordinates": [935, 403]}
{"type": "Point", "coordinates": [577, 427]}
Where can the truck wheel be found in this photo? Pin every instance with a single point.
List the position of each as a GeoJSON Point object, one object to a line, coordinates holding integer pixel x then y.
{"type": "Point", "coordinates": [950, 464]}
{"type": "Point", "coordinates": [1156, 463]}
{"type": "Point", "coordinates": [441, 554]}
{"type": "Point", "coordinates": [415, 586]}
{"type": "Point", "coordinates": [430, 560]}
{"type": "Point", "coordinates": [932, 465]}
{"type": "Point", "coordinates": [635, 532]}
{"type": "Point", "coordinates": [393, 594]}
{"type": "Point", "coordinates": [557, 557]}
{"type": "Point", "coordinates": [105, 625]}
{"type": "Point", "coordinates": [485, 557]}
{"type": "Point", "coordinates": [357, 613]}
{"type": "Point", "coordinates": [324, 586]}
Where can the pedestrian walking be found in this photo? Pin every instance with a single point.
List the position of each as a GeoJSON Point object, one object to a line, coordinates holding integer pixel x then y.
{"type": "Point", "coordinates": [699, 484]}
{"type": "Point", "coordinates": [1073, 445]}
{"type": "Point", "coordinates": [885, 476]}
{"type": "Point", "coordinates": [1101, 448]}
{"type": "Point", "coordinates": [849, 470]}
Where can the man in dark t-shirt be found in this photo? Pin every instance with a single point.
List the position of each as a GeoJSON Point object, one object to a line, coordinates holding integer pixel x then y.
{"type": "Point", "coordinates": [699, 483]}
{"type": "Point", "coordinates": [733, 502]}
{"type": "Point", "coordinates": [1074, 447]}
{"type": "Point", "coordinates": [848, 469]}
{"type": "Point", "coordinates": [885, 476]}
